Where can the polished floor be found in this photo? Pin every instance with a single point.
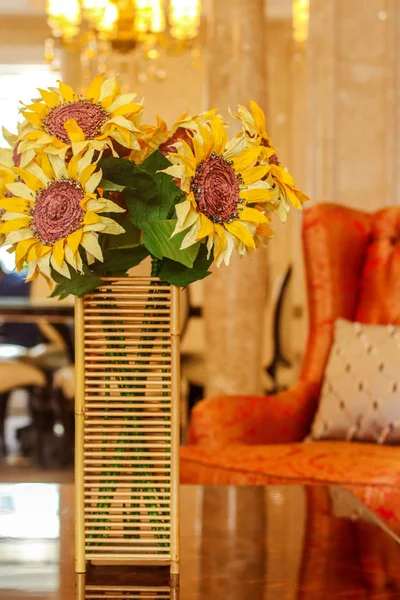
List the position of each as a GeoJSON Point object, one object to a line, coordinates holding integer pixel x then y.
{"type": "Point", "coordinates": [244, 543]}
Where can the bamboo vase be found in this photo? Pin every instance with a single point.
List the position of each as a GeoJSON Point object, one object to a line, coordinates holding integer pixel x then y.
{"type": "Point", "coordinates": [127, 424]}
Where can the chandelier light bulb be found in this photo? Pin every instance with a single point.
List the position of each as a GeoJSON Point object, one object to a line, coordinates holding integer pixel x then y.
{"type": "Point", "coordinates": [64, 18]}
{"type": "Point", "coordinates": [184, 18]}
{"type": "Point", "coordinates": [109, 19]}
{"type": "Point", "coordinates": [149, 16]}
{"type": "Point", "coordinates": [300, 16]}
{"type": "Point", "coordinates": [93, 10]}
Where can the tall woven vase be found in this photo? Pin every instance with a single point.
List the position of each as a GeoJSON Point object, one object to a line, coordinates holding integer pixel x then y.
{"type": "Point", "coordinates": [127, 424]}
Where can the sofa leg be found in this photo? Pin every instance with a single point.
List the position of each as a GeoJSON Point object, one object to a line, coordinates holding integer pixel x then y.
{"type": "Point", "coordinates": [3, 414]}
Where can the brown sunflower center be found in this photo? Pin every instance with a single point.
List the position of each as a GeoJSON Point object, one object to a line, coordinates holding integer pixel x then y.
{"type": "Point", "coordinates": [57, 211]}
{"type": "Point", "coordinates": [216, 189]}
{"type": "Point", "coordinates": [89, 116]}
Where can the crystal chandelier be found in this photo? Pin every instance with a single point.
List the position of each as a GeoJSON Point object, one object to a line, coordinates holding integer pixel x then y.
{"type": "Point", "coordinates": [300, 17]}
{"type": "Point", "coordinates": [100, 28]}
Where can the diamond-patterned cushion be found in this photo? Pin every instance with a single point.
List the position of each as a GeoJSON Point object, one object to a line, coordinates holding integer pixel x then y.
{"type": "Point", "coordinates": [360, 397]}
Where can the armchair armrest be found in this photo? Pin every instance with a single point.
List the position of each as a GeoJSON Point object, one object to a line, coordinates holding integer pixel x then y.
{"type": "Point", "coordinates": [280, 418]}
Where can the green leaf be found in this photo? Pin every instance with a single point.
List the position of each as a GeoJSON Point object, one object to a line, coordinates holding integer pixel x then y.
{"type": "Point", "coordinates": [128, 175]}
{"type": "Point", "coordinates": [129, 239]}
{"type": "Point", "coordinates": [110, 186]}
{"type": "Point", "coordinates": [168, 195]}
{"type": "Point", "coordinates": [158, 241]}
{"type": "Point", "coordinates": [177, 274]}
{"type": "Point", "coordinates": [118, 170]}
{"type": "Point", "coordinates": [78, 285]}
{"type": "Point", "coordinates": [120, 260]}
{"type": "Point", "coordinates": [155, 162]}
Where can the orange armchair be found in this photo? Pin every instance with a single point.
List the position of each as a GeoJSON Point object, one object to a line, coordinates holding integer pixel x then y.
{"type": "Point", "coordinates": [352, 263]}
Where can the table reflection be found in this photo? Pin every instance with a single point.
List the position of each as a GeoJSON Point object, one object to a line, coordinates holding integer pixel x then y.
{"type": "Point", "coordinates": [237, 543]}
{"type": "Point", "coordinates": [29, 537]}
{"type": "Point", "coordinates": [122, 583]}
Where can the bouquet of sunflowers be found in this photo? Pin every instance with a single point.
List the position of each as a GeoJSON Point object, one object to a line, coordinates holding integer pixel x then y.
{"type": "Point", "coordinates": [87, 190]}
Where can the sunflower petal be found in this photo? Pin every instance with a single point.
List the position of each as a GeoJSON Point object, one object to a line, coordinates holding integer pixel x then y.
{"type": "Point", "coordinates": [50, 98]}
{"type": "Point", "coordinates": [103, 205]}
{"type": "Point", "coordinates": [252, 215]}
{"type": "Point", "coordinates": [20, 190]}
{"type": "Point", "coordinates": [34, 176]}
{"type": "Point", "coordinates": [110, 226]}
{"type": "Point", "coordinates": [58, 252]}
{"type": "Point", "coordinates": [127, 109]}
{"type": "Point", "coordinates": [75, 133]}
{"type": "Point", "coordinates": [85, 161]}
{"type": "Point", "coordinates": [86, 173]}
{"type": "Point", "coordinates": [44, 266]}
{"type": "Point", "coordinates": [74, 239]}
{"type": "Point", "coordinates": [191, 236]}
{"type": "Point", "coordinates": [258, 115]}
{"type": "Point", "coordinates": [246, 158]}
{"type": "Point", "coordinates": [225, 256]}
{"type": "Point", "coordinates": [22, 250]}
{"type": "Point", "coordinates": [67, 92]}
{"type": "Point", "coordinates": [46, 166]}
{"type": "Point", "coordinates": [109, 87]}
{"type": "Point", "coordinates": [31, 182]}
{"type": "Point", "coordinates": [17, 236]}
{"type": "Point", "coordinates": [206, 227]}
{"type": "Point", "coordinates": [69, 257]}
{"type": "Point", "coordinates": [14, 225]}
{"type": "Point", "coordinates": [63, 269]}
{"type": "Point", "coordinates": [219, 134]}
{"type": "Point", "coordinates": [59, 167]}
{"type": "Point", "coordinates": [121, 100]}
{"type": "Point", "coordinates": [34, 252]}
{"type": "Point", "coordinates": [33, 118]}
{"type": "Point", "coordinates": [93, 182]}
{"type": "Point", "coordinates": [253, 174]}
{"type": "Point", "coordinates": [219, 240]}
{"type": "Point", "coordinates": [94, 88]}
{"type": "Point", "coordinates": [123, 123]}
{"type": "Point", "coordinates": [33, 271]}
{"type": "Point", "coordinates": [241, 233]}
{"type": "Point", "coordinates": [90, 218]}
{"type": "Point", "coordinates": [91, 245]}
{"type": "Point", "coordinates": [264, 230]}
{"type": "Point", "coordinates": [39, 107]}
{"type": "Point", "coordinates": [15, 205]}
{"type": "Point", "coordinates": [257, 194]}
{"type": "Point", "coordinates": [73, 167]}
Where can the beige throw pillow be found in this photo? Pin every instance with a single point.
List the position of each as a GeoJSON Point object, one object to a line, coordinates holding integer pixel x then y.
{"type": "Point", "coordinates": [360, 397]}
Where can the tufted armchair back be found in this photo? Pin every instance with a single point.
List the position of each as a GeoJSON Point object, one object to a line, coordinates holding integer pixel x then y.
{"type": "Point", "coordinates": [352, 261]}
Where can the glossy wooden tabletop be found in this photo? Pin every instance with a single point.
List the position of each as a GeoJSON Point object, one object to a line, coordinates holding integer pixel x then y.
{"type": "Point", "coordinates": [247, 543]}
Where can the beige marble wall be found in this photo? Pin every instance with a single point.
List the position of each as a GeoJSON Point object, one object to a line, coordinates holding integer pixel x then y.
{"type": "Point", "coordinates": [353, 102]}
{"type": "Point", "coordinates": [345, 119]}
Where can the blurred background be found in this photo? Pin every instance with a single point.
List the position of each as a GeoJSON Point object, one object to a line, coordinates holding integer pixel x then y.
{"type": "Point", "coordinates": [326, 72]}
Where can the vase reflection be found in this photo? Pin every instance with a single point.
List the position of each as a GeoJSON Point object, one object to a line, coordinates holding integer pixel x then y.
{"type": "Point", "coordinates": [121, 583]}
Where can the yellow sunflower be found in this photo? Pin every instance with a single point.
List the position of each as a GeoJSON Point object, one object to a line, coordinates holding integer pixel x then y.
{"type": "Point", "coordinates": [7, 174]}
{"type": "Point", "coordinates": [285, 191]}
{"type": "Point", "coordinates": [161, 137]}
{"type": "Point", "coordinates": [220, 178]}
{"type": "Point", "coordinates": [53, 210]}
{"type": "Point", "coordinates": [62, 119]}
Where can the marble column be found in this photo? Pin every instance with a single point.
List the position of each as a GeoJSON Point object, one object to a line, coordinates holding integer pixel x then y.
{"type": "Point", "coordinates": [235, 297]}
{"type": "Point", "coordinates": [70, 66]}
